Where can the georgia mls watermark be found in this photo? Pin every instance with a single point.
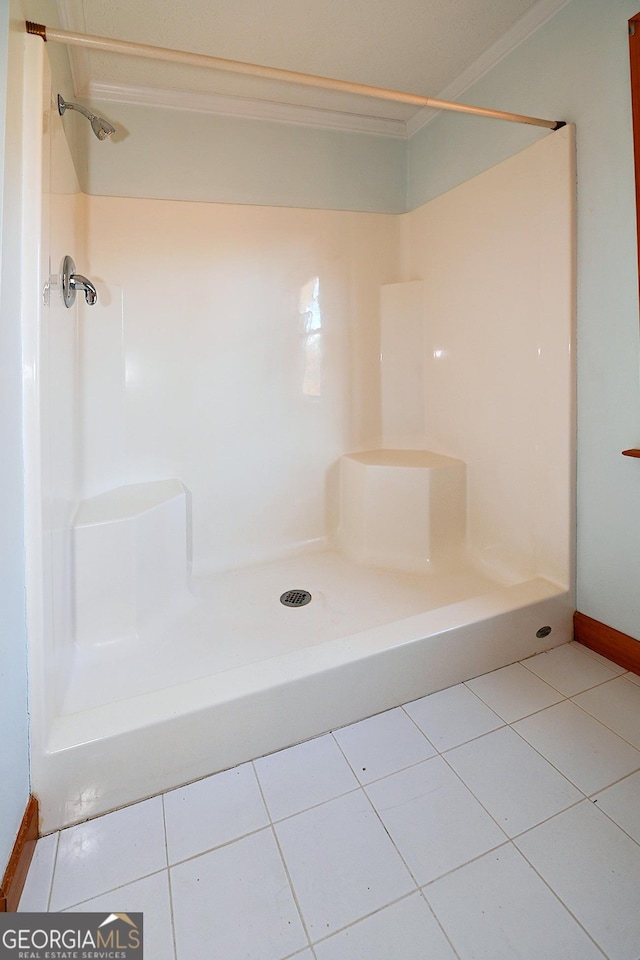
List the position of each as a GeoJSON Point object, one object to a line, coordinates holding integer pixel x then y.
{"type": "Point", "coordinates": [71, 936]}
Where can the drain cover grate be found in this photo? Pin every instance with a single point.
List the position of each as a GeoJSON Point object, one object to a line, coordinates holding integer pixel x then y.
{"type": "Point", "coordinates": [295, 598]}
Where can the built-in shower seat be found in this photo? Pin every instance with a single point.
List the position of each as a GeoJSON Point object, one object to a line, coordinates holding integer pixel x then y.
{"type": "Point", "coordinates": [130, 558]}
{"type": "Point", "coordinates": [402, 508]}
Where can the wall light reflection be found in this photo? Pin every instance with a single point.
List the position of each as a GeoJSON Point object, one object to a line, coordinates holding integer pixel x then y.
{"type": "Point", "coordinates": [312, 342]}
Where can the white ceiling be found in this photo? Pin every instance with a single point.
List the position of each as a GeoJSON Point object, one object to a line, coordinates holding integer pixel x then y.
{"type": "Point", "coordinates": [431, 47]}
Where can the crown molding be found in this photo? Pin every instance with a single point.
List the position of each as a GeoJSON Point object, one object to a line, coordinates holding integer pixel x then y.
{"type": "Point", "coordinates": [528, 24]}
{"type": "Point", "coordinates": [71, 18]}
{"type": "Point", "coordinates": [228, 106]}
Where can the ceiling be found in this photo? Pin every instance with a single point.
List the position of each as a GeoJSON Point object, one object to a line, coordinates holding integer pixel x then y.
{"type": "Point", "coordinates": [432, 47]}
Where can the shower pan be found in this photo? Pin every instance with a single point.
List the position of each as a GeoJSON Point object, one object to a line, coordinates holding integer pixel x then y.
{"type": "Point", "coordinates": [339, 481]}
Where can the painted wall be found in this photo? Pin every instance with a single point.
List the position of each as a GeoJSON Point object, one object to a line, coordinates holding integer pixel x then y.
{"type": "Point", "coordinates": [576, 68]}
{"type": "Point", "coordinates": [173, 154]}
{"type": "Point", "coordinates": [14, 755]}
{"type": "Point", "coordinates": [184, 155]}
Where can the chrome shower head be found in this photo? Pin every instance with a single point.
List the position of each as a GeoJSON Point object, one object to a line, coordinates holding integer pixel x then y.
{"type": "Point", "coordinates": [102, 128]}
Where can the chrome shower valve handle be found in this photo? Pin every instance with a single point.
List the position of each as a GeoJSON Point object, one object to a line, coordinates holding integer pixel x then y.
{"type": "Point", "coordinates": [72, 282]}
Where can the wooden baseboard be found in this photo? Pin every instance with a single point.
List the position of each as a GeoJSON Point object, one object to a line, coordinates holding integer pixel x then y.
{"type": "Point", "coordinates": [616, 646]}
{"type": "Point", "coordinates": [18, 866]}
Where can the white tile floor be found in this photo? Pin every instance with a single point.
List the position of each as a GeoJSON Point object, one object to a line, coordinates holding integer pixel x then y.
{"type": "Point", "coordinates": [499, 819]}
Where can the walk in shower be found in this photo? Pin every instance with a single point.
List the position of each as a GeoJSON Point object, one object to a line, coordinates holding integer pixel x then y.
{"type": "Point", "coordinates": [373, 411]}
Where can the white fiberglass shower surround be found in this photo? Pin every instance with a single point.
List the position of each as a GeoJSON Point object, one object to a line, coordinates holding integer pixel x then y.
{"type": "Point", "coordinates": [377, 409]}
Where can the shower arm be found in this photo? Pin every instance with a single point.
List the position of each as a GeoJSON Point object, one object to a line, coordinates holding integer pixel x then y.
{"type": "Point", "coordinates": [78, 282]}
{"type": "Point", "coordinates": [101, 127]}
{"type": "Point", "coordinates": [72, 282]}
{"type": "Point", "coordinates": [273, 73]}
{"type": "Point", "coordinates": [66, 105]}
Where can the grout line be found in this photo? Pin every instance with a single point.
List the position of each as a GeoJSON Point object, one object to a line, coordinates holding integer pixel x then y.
{"type": "Point", "coordinates": [392, 773]}
{"type": "Point", "coordinates": [314, 806]}
{"type": "Point", "coordinates": [601, 722]}
{"type": "Point", "coordinates": [291, 886]}
{"type": "Point", "coordinates": [225, 843]}
{"type": "Point", "coordinates": [356, 786]}
{"type": "Point", "coordinates": [615, 823]}
{"type": "Point", "coordinates": [608, 815]}
{"type": "Point", "coordinates": [558, 813]}
{"type": "Point", "coordinates": [507, 841]}
{"type": "Point", "coordinates": [585, 796]}
{"type": "Point", "coordinates": [361, 789]}
{"type": "Point", "coordinates": [164, 832]}
{"type": "Point", "coordinates": [488, 812]}
{"type": "Point", "coordinates": [173, 922]}
{"type": "Point", "coordinates": [220, 846]}
{"type": "Point", "coordinates": [525, 715]}
{"type": "Point", "coordinates": [626, 776]}
{"type": "Point", "coordinates": [477, 799]}
{"type": "Point", "coordinates": [519, 852]}
{"type": "Point", "coordinates": [598, 657]}
{"type": "Point", "coordinates": [502, 723]}
{"type": "Point", "coordinates": [568, 696]}
{"type": "Point", "coordinates": [466, 786]}
{"type": "Point", "coordinates": [367, 916]}
{"type": "Point", "coordinates": [463, 743]}
{"type": "Point", "coordinates": [411, 873]}
{"type": "Point", "coordinates": [417, 726]}
{"type": "Point", "coordinates": [395, 845]}
{"type": "Point", "coordinates": [582, 651]}
{"type": "Point", "coordinates": [53, 874]}
{"type": "Point", "coordinates": [282, 859]}
{"type": "Point", "coordinates": [258, 783]}
{"type": "Point", "coordinates": [550, 762]}
{"type": "Point", "coordinates": [561, 901]}
{"type": "Point", "coordinates": [339, 746]}
{"type": "Point", "coordinates": [261, 791]}
{"type": "Point", "coordinates": [437, 920]}
{"type": "Point", "coordinates": [104, 893]}
{"type": "Point", "coordinates": [300, 953]}
{"type": "Point", "coordinates": [166, 850]}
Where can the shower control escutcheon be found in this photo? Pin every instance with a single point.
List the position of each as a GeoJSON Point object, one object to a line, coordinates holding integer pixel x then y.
{"type": "Point", "coordinates": [72, 282]}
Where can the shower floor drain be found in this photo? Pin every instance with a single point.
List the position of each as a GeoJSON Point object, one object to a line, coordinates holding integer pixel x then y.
{"type": "Point", "coordinates": [295, 598]}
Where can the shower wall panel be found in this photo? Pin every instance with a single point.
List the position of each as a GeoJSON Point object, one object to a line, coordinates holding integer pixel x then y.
{"type": "Point", "coordinates": [101, 385]}
{"type": "Point", "coordinates": [58, 361]}
{"type": "Point", "coordinates": [497, 258]}
{"type": "Point", "coordinates": [251, 351]}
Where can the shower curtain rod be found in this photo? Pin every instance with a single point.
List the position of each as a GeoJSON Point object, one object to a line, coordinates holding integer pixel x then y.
{"type": "Point", "coordinates": [272, 73]}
